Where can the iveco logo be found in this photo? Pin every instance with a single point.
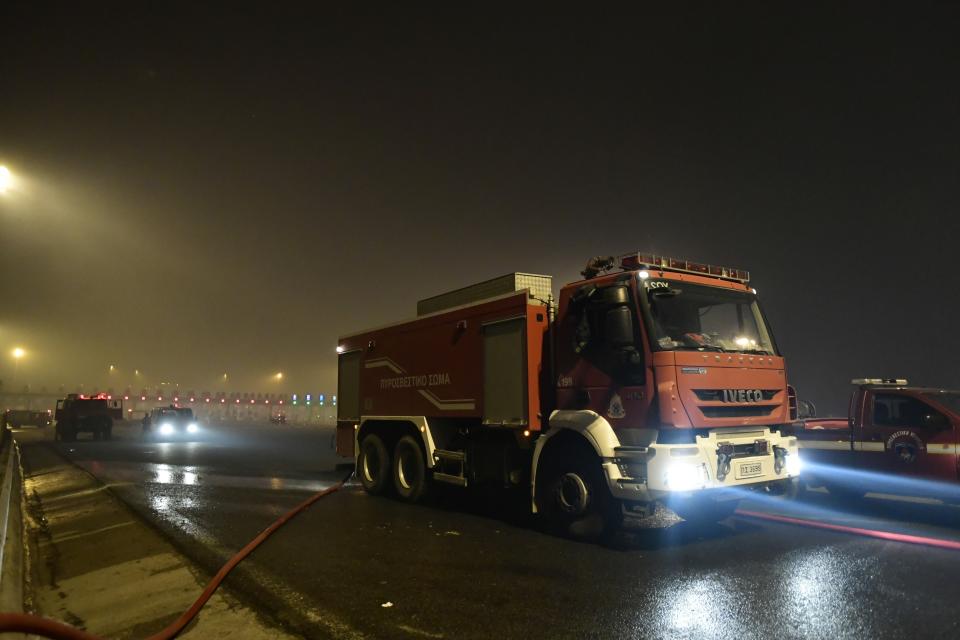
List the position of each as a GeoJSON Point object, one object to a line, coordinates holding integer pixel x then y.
{"type": "Point", "coordinates": [742, 395]}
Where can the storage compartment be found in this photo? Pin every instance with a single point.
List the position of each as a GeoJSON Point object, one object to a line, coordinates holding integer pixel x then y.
{"type": "Point", "coordinates": [504, 371]}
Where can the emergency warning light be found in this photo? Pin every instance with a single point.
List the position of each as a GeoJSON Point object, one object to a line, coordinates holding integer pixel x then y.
{"type": "Point", "coordinates": [293, 398]}
{"type": "Point", "coordinates": [333, 400]}
{"type": "Point", "coordinates": [308, 398]}
{"type": "Point", "coordinates": [889, 382]}
{"type": "Point", "coordinates": [320, 399]}
{"type": "Point", "coordinates": [653, 262]}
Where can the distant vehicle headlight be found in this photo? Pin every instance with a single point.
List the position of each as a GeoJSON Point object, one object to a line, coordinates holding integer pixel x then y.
{"type": "Point", "coordinates": [166, 429]}
{"type": "Point", "coordinates": [192, 427]}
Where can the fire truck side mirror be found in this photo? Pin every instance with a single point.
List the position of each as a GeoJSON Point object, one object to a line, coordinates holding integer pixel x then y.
{"type": "Point", "coordinates": [806, 409]}
{"type": "Point", "coordinates": [618, 327]}
{"type": "Point", "coordinates": [618, 295]}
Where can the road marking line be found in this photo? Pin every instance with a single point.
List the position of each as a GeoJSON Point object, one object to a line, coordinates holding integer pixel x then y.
{"type": "Point", "coordinates": [419, 632]}
{"type": "Point", "coordinates": [953, 545]}
{"type": "Point", "coordinates": [83, 534]}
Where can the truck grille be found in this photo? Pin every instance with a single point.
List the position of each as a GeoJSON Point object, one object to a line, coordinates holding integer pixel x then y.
{"type": "Point", "coordinates": [738, 411]}
{"type": "Point", "coordinates": [716, 395]}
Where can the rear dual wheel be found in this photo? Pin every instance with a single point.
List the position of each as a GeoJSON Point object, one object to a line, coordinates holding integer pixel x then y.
{"type": "Point", "coordinates": [404, 471]}
{"type": "Point", "coordinates": [409, 470]}
{"type": "Point", "coordinates": [373, 465]}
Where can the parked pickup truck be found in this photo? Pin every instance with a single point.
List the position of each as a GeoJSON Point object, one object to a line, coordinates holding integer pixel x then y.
{"type": "Point", "coordinates": [897, 439]}
{"type": "Point", "coordinates": [23, 417]}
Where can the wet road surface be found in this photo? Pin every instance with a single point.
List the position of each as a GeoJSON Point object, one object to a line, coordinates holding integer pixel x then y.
{"type": "Point", "coordinates": [358, 566]}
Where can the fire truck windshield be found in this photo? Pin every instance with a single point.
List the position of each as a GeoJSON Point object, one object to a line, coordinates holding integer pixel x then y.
{"type": "Point", "coordinates": [684, 316]}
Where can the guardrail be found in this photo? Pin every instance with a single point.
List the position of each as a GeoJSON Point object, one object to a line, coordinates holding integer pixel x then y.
{"type": "Point", "coordinates": [11, 530]}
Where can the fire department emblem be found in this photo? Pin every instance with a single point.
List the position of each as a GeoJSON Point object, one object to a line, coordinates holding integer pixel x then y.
{"type": "Point", "coordinates": [905, 445]}
{"type": "Point", "coordinates": [615, 410]}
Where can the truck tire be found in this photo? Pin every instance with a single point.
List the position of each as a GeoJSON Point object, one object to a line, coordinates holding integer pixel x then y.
{"type": "Point", "coordinates": [409, 470]}
{"type": "Point", "coordinates": [373, 465]}
{"type": "Point", "coordinates": [105, 429]}
{"type": "Point", "coordinates": [67, 432]}
{"type": "Point", "coordinates": [574, 500]}
{"type": "Point", "coordinates": [700, 510]}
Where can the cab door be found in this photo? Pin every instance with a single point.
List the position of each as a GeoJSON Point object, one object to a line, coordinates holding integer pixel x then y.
{"type": "Point", "coordinates": [905, 436]}
{"type": "Point", "coordinates": [601, 356]}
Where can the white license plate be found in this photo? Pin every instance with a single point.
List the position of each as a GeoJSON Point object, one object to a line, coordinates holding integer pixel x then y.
{"type": "Point", "coordinates": [749, 470]}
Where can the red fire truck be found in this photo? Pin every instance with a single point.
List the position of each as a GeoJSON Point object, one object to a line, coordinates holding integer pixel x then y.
{"type": "Point", "coordinates": [658, 380]}
{"type": "Point", "coordinates": [896, 439]}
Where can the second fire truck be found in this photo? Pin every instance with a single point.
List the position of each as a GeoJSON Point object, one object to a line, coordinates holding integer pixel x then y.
{"type": "Point", "coordinates": [656, 380]}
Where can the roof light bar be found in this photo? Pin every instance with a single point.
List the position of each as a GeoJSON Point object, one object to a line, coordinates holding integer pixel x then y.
{"type": "Point", "coordinates": [889, 382]}
{"type": "Point", "coordinates": [633, 261]}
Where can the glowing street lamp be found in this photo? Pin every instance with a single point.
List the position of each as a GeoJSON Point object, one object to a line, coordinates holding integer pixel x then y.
{"type": "Point", "coordinates": [18, 353]}
{"type": "Point", "coordinates": [6, 180]}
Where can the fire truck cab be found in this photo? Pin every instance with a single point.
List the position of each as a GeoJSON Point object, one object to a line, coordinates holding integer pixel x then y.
{"type": "Point", "coordinates": [897, 439]}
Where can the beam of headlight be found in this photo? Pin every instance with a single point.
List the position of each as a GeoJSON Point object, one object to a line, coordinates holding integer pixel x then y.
{"type": "Point", "coordinates": [6, 180]}
{"type": "Point", "coordinates": [835, 518]}
{"type": "Point", "coordinates": [876, 482]}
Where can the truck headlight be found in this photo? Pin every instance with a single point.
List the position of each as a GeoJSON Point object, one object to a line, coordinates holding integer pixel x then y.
{"type": "Point", "coordinates": [794, 464]}
{"type": "Point", "coordinates": [192, 427]}
{"type": "Point", "coordinates": [683, 476]}
{"type": "Point", "coordinates": [166, 429]}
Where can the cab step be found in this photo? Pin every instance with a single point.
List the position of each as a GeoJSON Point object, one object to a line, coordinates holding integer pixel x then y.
{"type": "Point", "coordinates": [450, 467]}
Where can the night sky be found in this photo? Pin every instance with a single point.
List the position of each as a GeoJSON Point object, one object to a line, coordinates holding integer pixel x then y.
{"type": "Point", "coordinates": [204, 191]}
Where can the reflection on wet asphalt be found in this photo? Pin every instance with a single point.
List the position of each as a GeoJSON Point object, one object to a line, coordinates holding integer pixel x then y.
{"type": "Point", "coordinates": [471, 567]}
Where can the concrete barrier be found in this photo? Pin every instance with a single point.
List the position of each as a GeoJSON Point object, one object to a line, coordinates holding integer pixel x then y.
{"type": "Point", "coordinates": [11, 533]}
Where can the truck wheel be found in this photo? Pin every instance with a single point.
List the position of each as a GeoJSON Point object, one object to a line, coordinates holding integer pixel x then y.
{"type": "Point", "coordinates": [704, 510]}
{"type": "Point", "coordinates": [67, 432]}
{"type": "Point", "coordinates": [409, 470]}
{"type": "Point", "coordinates": [575, 501]}
{"type": "Point", "coordinates": [373, 464]}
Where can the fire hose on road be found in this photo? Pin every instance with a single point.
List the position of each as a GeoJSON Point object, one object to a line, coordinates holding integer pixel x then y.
{"type": "Point", "coordinates": [48, 628]}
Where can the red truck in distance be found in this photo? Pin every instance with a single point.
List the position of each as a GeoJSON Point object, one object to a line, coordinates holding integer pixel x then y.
{"type": "Point", "coordinates": [658, 380]}
{"type": "Point", "coordinates": [78, 413]}
{"type": "Point", "coordinates": [896, 439]}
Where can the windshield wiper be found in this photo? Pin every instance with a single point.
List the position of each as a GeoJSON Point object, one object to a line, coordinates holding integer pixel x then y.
{"type": "Point", "coordinates": [762, 352]}
{"type": "Point", "coordinates": [702, 347]}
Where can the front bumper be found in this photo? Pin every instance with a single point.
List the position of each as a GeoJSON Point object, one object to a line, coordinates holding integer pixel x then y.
{"type": "Point", "coordinates": [720, 460]}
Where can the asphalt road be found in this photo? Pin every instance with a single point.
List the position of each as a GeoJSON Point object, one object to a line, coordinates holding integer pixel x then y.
{"type": "Point", "coordinates": [471, 567]}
